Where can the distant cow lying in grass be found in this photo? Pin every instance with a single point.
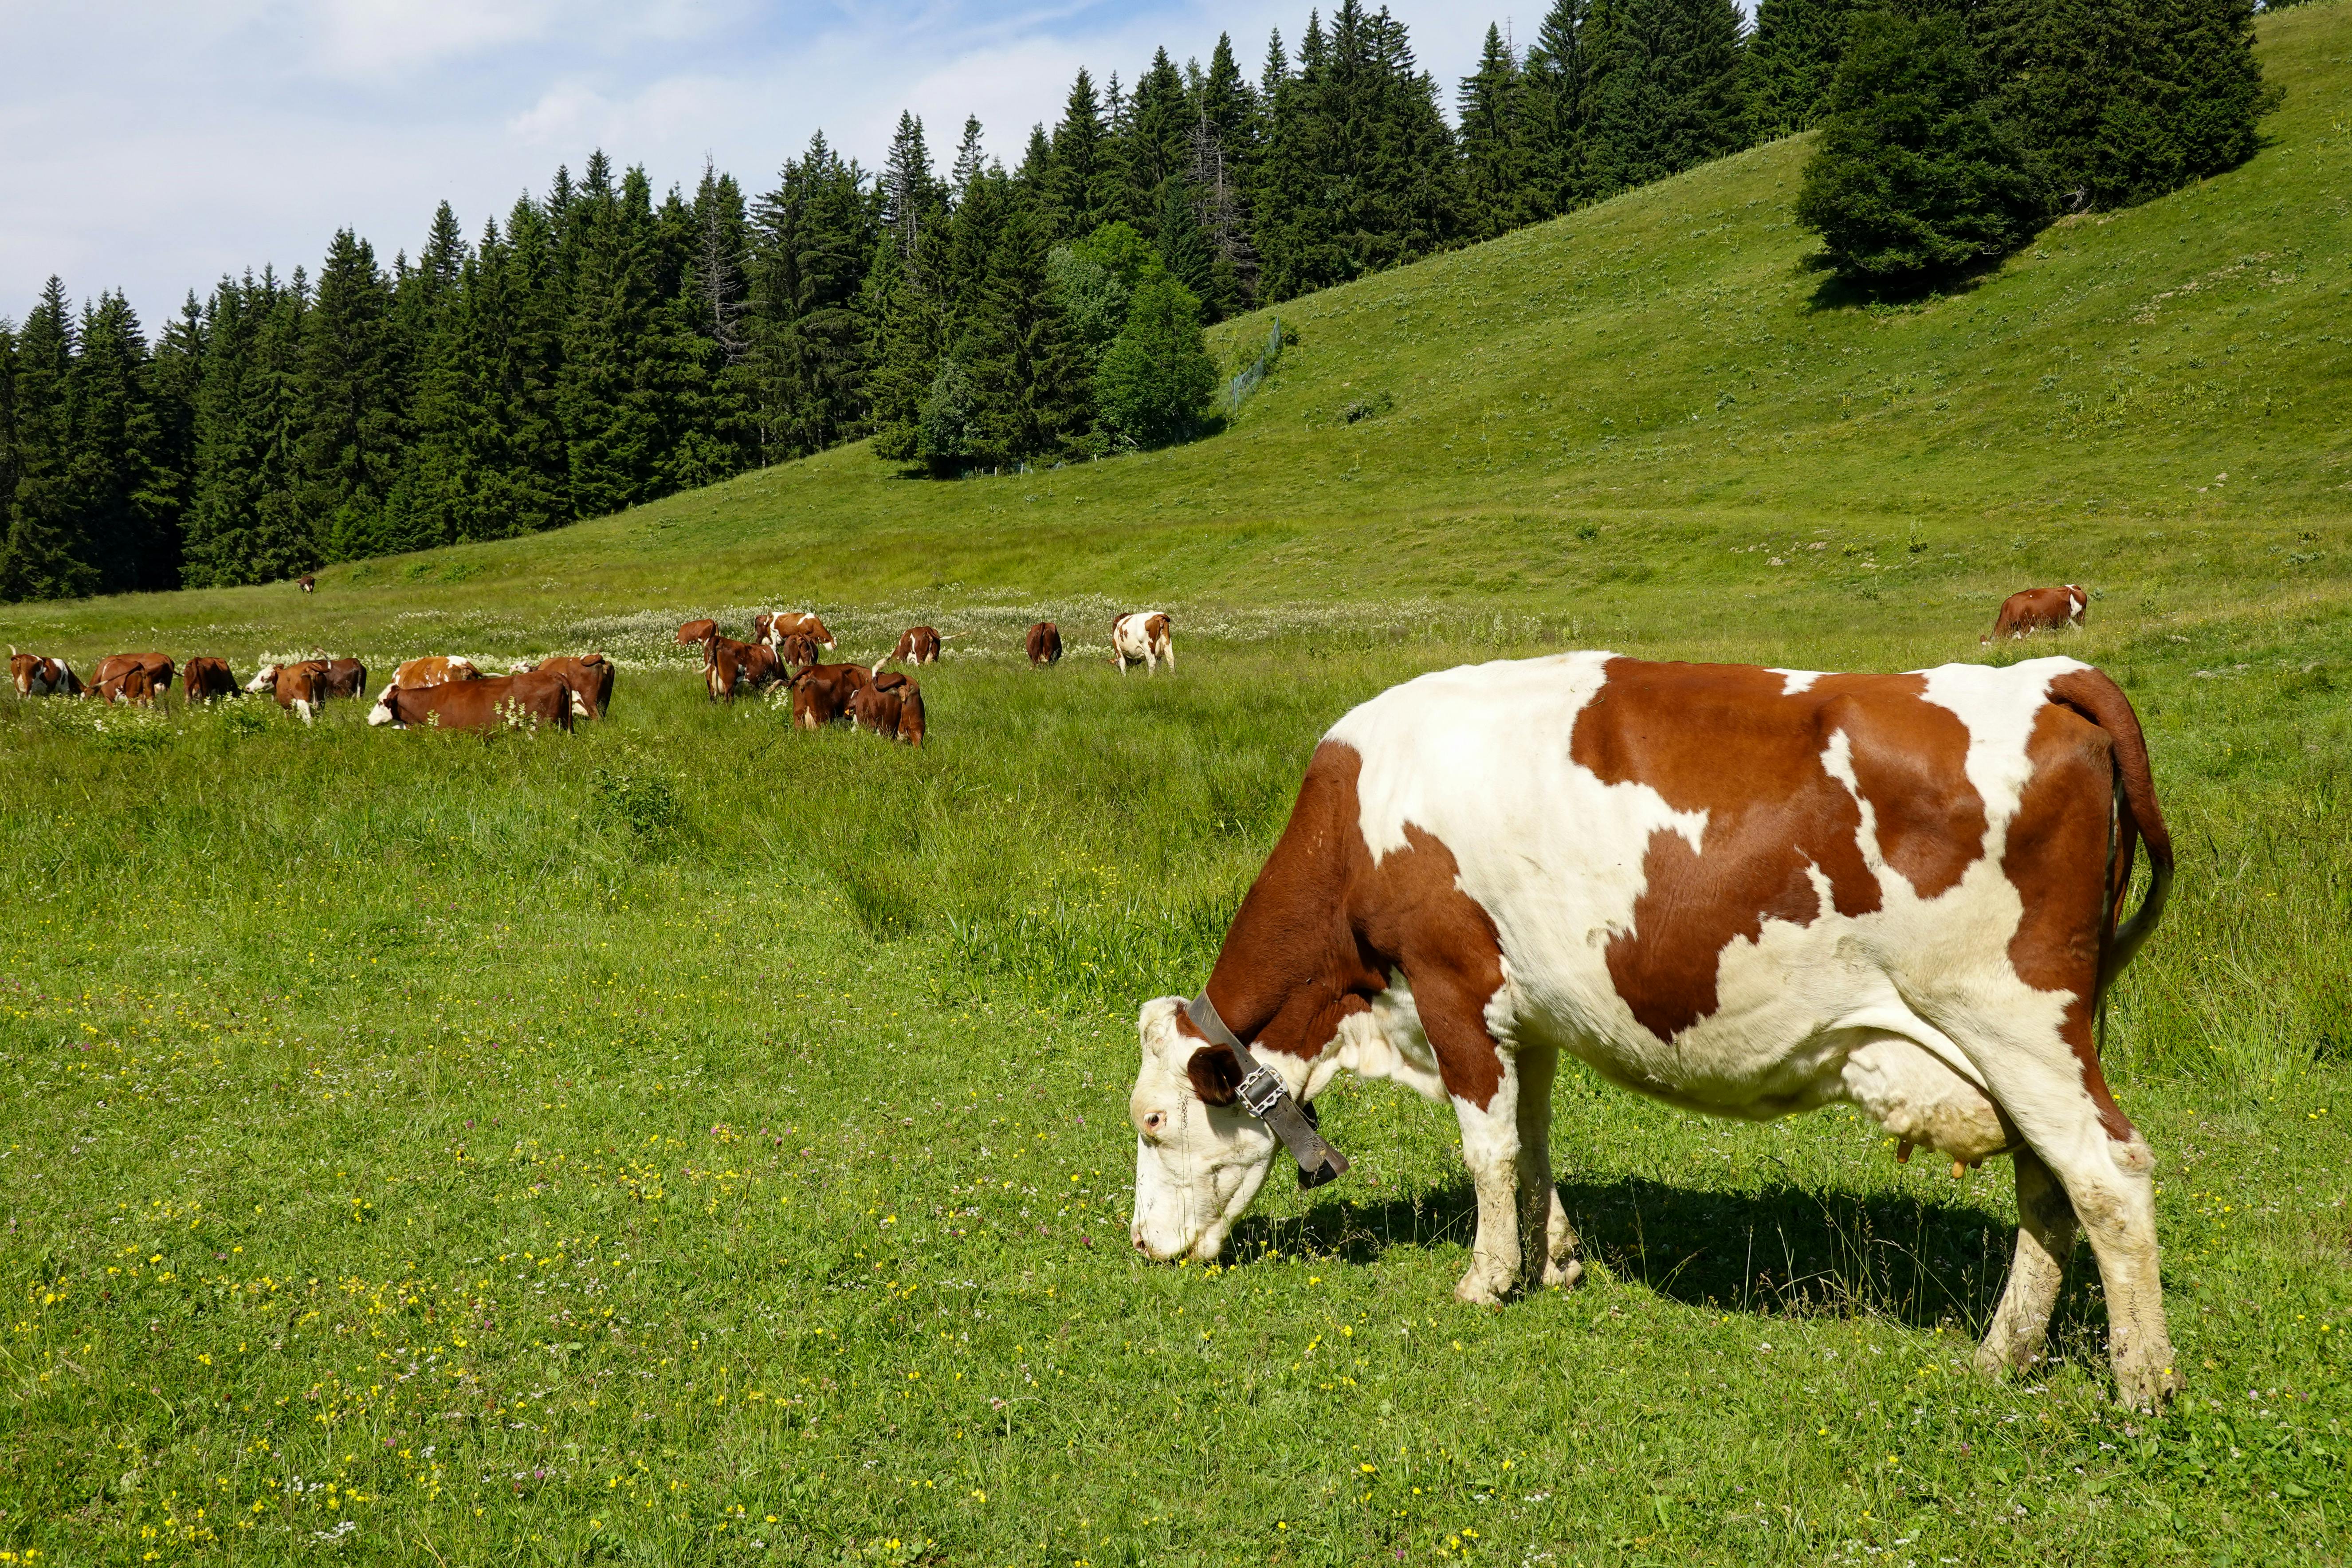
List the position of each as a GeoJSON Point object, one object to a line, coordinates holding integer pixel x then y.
{"type": "Point", "coordinates": [521, 700]}
{"type": "Point", "coordinates": [2039, 610]}
{"type": "Point", "coordinates": [301, 688]}
{"type": "Point", "coordinates": [590, 676]}
{"type": "Point", "coordinates": [204, 679]}
{"type": "Point", "coordinates": [1143, 636]}
{"type": "Point", "coordinates": [917, 645]}
{"type": "Point", "coordinates": [345, 677]}
{"type": "Point", "coordinates": [1045, 644]}
{"type": "Point", "coordinates": [823, 693]}
{"type": "Point", "coordinates": [37, 677]}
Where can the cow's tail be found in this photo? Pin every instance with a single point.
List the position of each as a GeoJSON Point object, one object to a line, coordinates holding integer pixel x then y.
{"type": "Point", "coordinates": [2138, 816]}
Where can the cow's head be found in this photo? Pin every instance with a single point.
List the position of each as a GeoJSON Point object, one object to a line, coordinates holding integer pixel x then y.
{"type": "Point", "coordinates": [381, 712]}
{"type": "Point", "coordinates": [264, 680]}
{"type": "Point", "coordinates": [1200, 1158]}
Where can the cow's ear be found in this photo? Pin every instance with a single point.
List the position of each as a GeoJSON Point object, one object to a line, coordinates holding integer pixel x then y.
{"type": "Point", "coordinates": [1216, 1078]}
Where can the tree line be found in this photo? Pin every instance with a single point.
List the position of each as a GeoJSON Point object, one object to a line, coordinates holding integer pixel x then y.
{"type": "Point", "coordinates": [598, 347]}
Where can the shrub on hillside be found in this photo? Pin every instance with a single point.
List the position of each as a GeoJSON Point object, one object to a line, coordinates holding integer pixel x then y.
{"type": "Point", "coordinates": [1914, 175]}
{"type": "Point", "coordinates": [1155, 381]}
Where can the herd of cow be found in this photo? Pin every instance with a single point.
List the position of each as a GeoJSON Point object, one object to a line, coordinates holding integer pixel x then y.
{"type": "Point", "coordinates": [449, 692]}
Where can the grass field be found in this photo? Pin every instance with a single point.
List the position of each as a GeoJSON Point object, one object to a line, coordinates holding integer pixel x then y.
{"type": "Point", "coordinates": [695, 1141]}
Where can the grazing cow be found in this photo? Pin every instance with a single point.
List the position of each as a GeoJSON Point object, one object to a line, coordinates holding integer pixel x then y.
{"type": "Point", "coordinates": [760, 668]}
{"type": "Point", "coordinates": [917, 645]}
{"type": "Point", "coordinates": [1045, 644]}
{"type": "Point", "coordinates": [1744, 891]}
{"type": "Point", "coordinates": [299, 688]}
{"type": "Point", "coordinates": [1143, 636]}
{"type": "Point", "coordinates": [823, 693]}
{"type": "Point", "coordinates": [725, 665]}
{"type": "Point", "coordinates": [533, 700]}
{"type": "Point", "coordinates": [796, 650]}
{"type": "Point", "coordinates": [130, 685]}
{"type": "Point", "coordinates": [2039, 610]}
{"type": "Point", "coordinates": [589, 676]}
{"type": "Point", "coordinates": [37, 677]}
{"type": "Point", "coordinates": [308, 583]}
{"type": "Point", "coordinates": [111, 669]}
{"type": "Point", "coordinates": [415, 673]}
{"type": "Point", "coordinates": [348, 678]}
{"type": "Point", "coordinates": [891, 707]}
{"type": "Point", "coordinates": [696, 631]}
{"type": "Point", "coordinates": [772, 629]}
{"type": "Point", "coordinates": [204, 679]}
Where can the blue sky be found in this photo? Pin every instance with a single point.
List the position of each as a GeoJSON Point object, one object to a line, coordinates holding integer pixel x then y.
{"type": "Point", "coordinates": [151, 145]}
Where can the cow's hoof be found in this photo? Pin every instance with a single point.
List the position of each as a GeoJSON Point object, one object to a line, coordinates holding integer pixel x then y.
{"type": "Point", "coordinates": [2146, 1388]}
{"type": "Point", "coordinates": [1483, 1288]}
{"type": "Point", "coordinates": [1564, 1276]}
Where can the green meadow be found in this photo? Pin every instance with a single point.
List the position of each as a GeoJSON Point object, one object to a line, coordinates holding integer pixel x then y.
{"type": "Point", "coordinates": [692, 1141]}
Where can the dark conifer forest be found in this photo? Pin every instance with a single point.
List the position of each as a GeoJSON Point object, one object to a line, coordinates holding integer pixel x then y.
{"type": "Point", "coordinates": [598, 345]}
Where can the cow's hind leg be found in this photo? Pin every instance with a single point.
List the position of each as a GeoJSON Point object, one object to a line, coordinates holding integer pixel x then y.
{"type": "Point", "coordinates": [1540, 1213]}
{"type": "Point", "coordinates": [2045, 1237]}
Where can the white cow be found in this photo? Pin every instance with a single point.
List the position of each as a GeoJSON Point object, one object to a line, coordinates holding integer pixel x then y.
{"type": "Point", "coordinates": [1743, 892]}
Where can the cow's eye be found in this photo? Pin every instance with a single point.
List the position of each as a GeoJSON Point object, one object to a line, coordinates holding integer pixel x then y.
{"type": "Point", "coordinates": [1155, 1121]}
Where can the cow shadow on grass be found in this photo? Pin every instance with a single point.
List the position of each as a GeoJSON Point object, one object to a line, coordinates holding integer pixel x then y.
{"type": "Point", "coordinates": [1779, 1251]}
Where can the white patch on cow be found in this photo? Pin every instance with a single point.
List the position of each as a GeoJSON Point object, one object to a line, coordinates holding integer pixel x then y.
{"type": "Point", "coordinates": [264, 680]}
{"type": "Point", "coordinates": [302, 708]}
{"type": "Point", "coordinates": [1794, 682]}
{"type": "Point", "coordinates": [381, 712]}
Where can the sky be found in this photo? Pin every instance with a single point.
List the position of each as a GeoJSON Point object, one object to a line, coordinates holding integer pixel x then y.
{"type": "Point", "coordinates": [153, 145]}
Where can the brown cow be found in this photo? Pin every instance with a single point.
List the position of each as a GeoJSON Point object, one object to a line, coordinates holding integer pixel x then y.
{"type": "Point", "coordinates": [39, 676]}
{"type": "Point", "coordinates": [299, 688]}
{"type": "Point", "coordinates": [874, 709]}
{"type": "Point", "coordinates": [307, 582]}
{"type": "Point", "coordinates": [774, 628]}
{"type": "Point", "coordinates": [504, 699]}
{"type": "Point", "coordinates": [131, 686]}
{"type": "Point", "coordinates": [695, 632]}
{"type": "Point", "coordinates": [823, 693]}
{"type": "Point", "coordinates": [204, 679]}
{"type": "Point", "coordinates": [917, 645]}
{"type": "Point", "coordinates": [590, 677]}
{"type": "Point", "coordinates": [2039, 610]}
{"type": "Point", "coordinates": [345, 677]}
{"type": "Point", "coordinates": [1044, 645]}
{"type": "Point", "coordinates": [725, 665]}
{"type": "Point", "coordinates": [796, 650]}
{"type": "Point", "coordinates": [109, 671]}
{"type": "Point", "coordinates": [436, 671]}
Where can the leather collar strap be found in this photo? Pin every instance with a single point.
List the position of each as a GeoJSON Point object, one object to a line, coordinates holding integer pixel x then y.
{"type": "Point", "coordinates": [1264, 1096]}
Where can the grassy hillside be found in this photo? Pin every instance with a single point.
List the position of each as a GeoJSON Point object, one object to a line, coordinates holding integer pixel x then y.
{"type": "Point", "coordinates": [1625, 391]}
{"type": "Point", "coordinates": [696, 1141]}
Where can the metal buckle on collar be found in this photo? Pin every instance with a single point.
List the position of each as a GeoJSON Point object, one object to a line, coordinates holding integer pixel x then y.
{"type": "Point", "coordinates": [1260, 1092]}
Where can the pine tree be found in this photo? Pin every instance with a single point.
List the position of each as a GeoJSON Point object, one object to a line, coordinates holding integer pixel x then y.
{"type": "Point", "coordinates": [1663, 91]}
{"type": "Point", "coordinates": [902, 329]}
{"type": "Point", "coordinates": [613, 429]}
{"type": "Point", "coordinates": [815, 238]}
{"type": "Point", "coordinates": [1035, 173]}
{"type": "Point", "coordinates": [1183, 247]}
{"type": "Point", "coordinates": [176, 380]}
{"type": "Point", "coordinates": [1158, 144]}
{"type": "Point", "coordinates": [1496, 156]}
{"type": "Point", "coordinates": [46, 555]}
{"type": "Point", "coordinates": [912, 200]}
{"type": "Point", "coordinates": [970, 161]}
{"type": "Point", "coordinates": [1029, 391]}
{"type": "Point", "coordinates": [352, 397]}
{"type": "Point", "coordinates": [531, 288]}
{"type": "Point", "coordinates": [1790, 61]}
{"type": "Point", "coordinates": [1226, 147]}
{"type": "Point", "coordinates": [133, 539]}
{"type": "Point", "coordinates": [7, 440]}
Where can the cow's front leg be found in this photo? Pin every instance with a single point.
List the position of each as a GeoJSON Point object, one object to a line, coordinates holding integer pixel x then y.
{"type": "Point", "coordinates": [1491, 1148]}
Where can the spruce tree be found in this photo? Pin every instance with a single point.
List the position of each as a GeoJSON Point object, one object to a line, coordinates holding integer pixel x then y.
{"type": "Point", "coordinates": [1663, 90]}
{"type": "Point", "coordinates": [46, 555]}
{"type": "Point", "coordinates": [352, 398]}
{"type": "Point", "coordinates": [1081, 189]}
{"type": "Point", "coordinates": [813, 248]}
{"type": "Point", "coordinates": [1790, 60]}
{"type": "Point", "coordinates": [912, 198]}
{"type": "Point", "coordinates": [121, 509]}
{"type": "Point", "coordinates": [1554, 108]}
{"type": "Point", "coordinates": [1914, 177]}
{"type": "Point", "coordinates": [1158, 144]}
{"type": "Point", "coordinates": [902, 329]}
{"type": "Point", "coordinates": [1183, 246]}
{"type": "Point", "coordinates": [1030, 397]}
{"type": "Point", "coordinates": [7, 436]}
{"type": "Point", "coordinates": [613, 428]}
{"type": "Point", "coordinates": [176, 380]}
{"type": "Point", "coordinates": [1497, 193]}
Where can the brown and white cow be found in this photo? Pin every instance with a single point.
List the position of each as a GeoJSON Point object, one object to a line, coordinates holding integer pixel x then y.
{"type": "Point", "coordinates": [1044, 645]}
{"type": "Point", "coordinates": [824, 693]}
{"type": "Point", "coordinates": [301, 688]}
{"type": "Point", "coordinates": [795, 649]}
{"type": "Point", "coordinates": [917, 645]}
{"type": "Point", "coordinates": [590, 676]}
{"type": "Point", "coordinates": [2039, 610]}
{"type": "Point", "coordinates": [696, 631]}
{"type": "Point", "coordinates": [726, 666]}
{"type": "Point", "coordinates": [1143, 636]}
{"type": "Point", "coordinates": [504, 699]}
{"type": "Point", "coordinates": [108, 677]}
{"type": "Point", "coordinates": [772, 627]}
{"type": "Point", "coordinates": [204, 679]}
{"type": "Point", "coordinates": [130, 685]}
{"type": "Point", "coordinates": [307, 582]}
{"type": "Point", "coordinates": [1743, 892]}
{"type": "Point", "coordinates": [37, 677]}
{"type": "Point", "coordinates": [437, 670]}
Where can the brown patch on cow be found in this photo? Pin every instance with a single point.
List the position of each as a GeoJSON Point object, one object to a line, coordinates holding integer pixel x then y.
{"type": "Point", "coordinates": [1775, 818]}
{"type": "Point", "coordinates": [696, 631]}
{"type": "Point", "coordinates": [203, 679]}
{"type": "Point", "coordinates": [2057, 860]}
{"type": "Point", "coordinates": [1155, 630]}
{"type": "Point", "coordinates": [1045, 644]}
{"type": "Point", "coordinates": [1216, 1078]}
{"type": "Point", "coordinates": [795, 649]}
{"type": "Point", "coordinates": [344, 678]}
{"type": "Point", "coordinates": [1322, 927]}
{"type": "Point", "coordinates": [821, 694]}
{"type": "Point", "coordinates": [591, 677]}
